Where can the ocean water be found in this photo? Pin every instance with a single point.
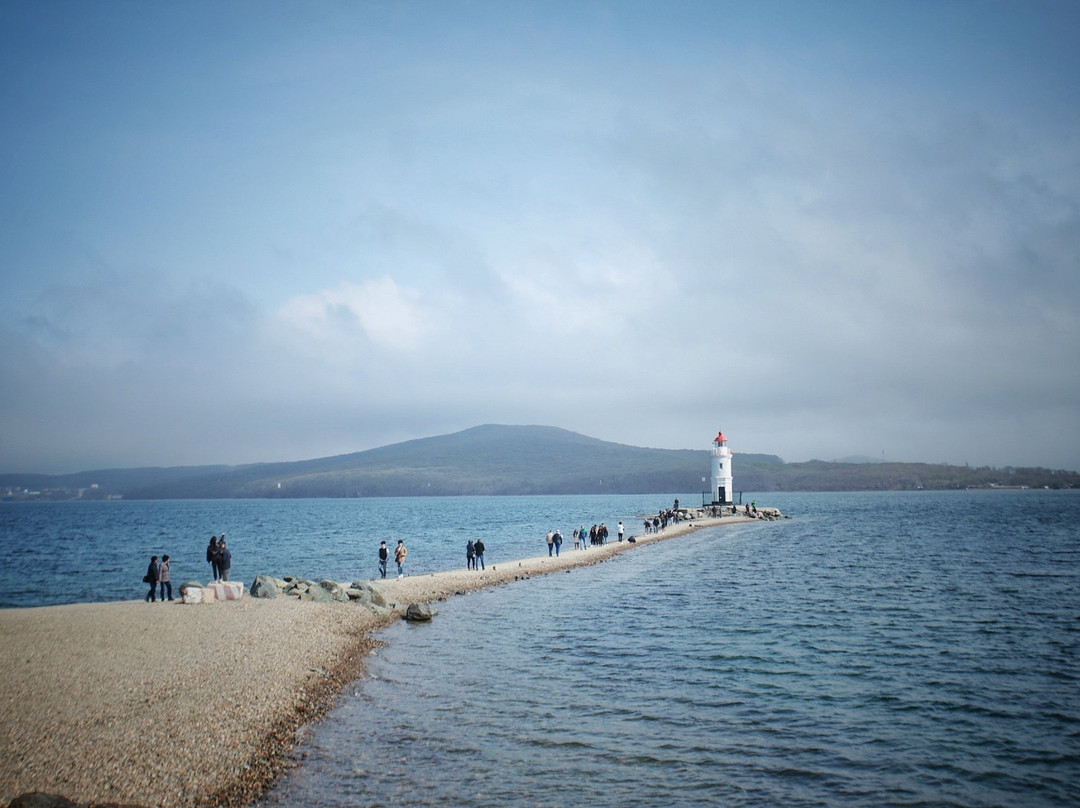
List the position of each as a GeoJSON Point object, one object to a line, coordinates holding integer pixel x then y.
{"type": "Point", "coordinates": [876, 649]}
{"type": "Point", "coordinates": [82, 552]}
{"type": "Point", "coordinates": [894, 649]}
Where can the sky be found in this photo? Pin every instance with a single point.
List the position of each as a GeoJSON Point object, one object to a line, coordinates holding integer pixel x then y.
{"type": "Point", "coordinates": [236, 232]}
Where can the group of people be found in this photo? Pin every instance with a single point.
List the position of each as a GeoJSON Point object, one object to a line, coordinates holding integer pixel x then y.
{"type": "Point", "coordinates": [474, 554]}
{"type": "Point", "coordinates": [159, 573]}
{"type": "Point", "coordinates": [399, 557]}
{"type": "Point", "coordinates": [595, 535]}
{"type": "Point", "coordinates": [220, 558]}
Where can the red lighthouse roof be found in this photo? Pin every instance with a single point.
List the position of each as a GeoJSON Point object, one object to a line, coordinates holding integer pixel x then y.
{"type": "Point", "coordinates": [720, 437]}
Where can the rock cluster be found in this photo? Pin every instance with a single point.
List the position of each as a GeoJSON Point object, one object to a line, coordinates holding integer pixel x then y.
{"type": "Point", "coordinates": [363, 593]}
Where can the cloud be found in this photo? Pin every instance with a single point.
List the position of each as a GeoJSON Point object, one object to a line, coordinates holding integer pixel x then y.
{"type": "Point", "coordinates": [390, 316]}
{"type": "Point", "coordinates": [361, 227]}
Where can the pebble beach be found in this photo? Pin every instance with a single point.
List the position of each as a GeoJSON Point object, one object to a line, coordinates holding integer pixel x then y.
{"type": "Point", "coordinates": [165, 704]}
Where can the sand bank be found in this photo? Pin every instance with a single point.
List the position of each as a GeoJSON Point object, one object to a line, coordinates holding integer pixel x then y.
{"type": "Point", "coordinates": [172, 705]}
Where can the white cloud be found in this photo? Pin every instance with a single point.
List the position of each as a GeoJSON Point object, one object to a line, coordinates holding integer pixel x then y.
{"type": "Point", "coordinates": [390, 316]}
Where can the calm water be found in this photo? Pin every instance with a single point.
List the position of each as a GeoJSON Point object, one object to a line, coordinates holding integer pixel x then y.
{"type": "Point", "coordinates": [875, 650]}
{"type": "Point", "coordinates": [907, 649]}
{"type": "Point", "coordinates": [75, 552]}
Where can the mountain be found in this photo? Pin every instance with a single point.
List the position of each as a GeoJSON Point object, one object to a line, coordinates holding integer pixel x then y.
{"type": "Point", "coordinates": [500, 460]}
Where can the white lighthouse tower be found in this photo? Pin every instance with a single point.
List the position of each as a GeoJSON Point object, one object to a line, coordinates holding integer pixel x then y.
{"type": "Point", "coordinates": [721, 471]}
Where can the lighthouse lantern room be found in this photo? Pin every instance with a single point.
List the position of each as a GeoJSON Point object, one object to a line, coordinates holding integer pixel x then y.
{"type": "Point", "coordinates": [721, 471]}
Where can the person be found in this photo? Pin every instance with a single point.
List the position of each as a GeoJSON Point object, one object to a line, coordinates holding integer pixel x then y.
{"type": "Point", "coordinates": [212, 557]}
{"type": "Point", "coordinates": [384, 556]}
{"type": "Point", "coordinates": [620, 531]}
{"type": "Point", "coordinates": [577, 538]}
{"type": "Point", "coordinates": [557, 541]}
{"type": "Point", "coordinates": [550, 542]}
{"type": "Point", "coordinates": [151, 578]}
{"type": "Point", "coordinates": [470, 555]}
{"type": "Point", "coordinates": [224, 559]}
{"type": "Point", "coordinates": [583, 533]}
{"type": "Point", "coordinates": [165, 577]}
{"type": "Point", "coordinates": [479, 554]}
{"type": "Point", "coordinates": [399, 556]}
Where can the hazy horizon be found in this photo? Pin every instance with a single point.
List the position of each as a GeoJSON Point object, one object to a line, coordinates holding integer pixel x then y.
{"type": "Point", "coordinates": [255, 232]}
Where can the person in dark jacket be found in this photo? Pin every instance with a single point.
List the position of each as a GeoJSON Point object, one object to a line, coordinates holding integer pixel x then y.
{"type": "Point", "coordinates": [151, 578]}
{"type": "Point", "coordinates": [224, 559]}
{"type": "Point", "coordinates": [384, 556]}
{"type": "Point", "coordinates": [212, 557]}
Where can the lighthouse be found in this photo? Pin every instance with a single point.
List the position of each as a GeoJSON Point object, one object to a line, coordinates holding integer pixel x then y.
{"type": "Point", "coordinates": [721, 471]}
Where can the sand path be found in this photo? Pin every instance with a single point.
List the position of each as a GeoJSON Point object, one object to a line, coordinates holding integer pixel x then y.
{"type": "Point", "coordinates": [174, 705]}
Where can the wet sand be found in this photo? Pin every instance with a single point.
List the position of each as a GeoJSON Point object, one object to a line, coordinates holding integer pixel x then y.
{"type": "Point", "coordinates": [197, 705]}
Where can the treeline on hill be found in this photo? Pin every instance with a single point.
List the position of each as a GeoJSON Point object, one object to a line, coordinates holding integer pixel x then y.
{"type": "Point", "coordinates": [503, 460]}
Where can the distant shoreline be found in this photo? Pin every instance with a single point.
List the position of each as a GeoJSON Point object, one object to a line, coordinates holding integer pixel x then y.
{"type": "Point", "coordinates": [162, 704]}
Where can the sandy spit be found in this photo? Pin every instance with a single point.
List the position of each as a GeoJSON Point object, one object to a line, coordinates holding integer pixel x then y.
{"type": "Point", "coordinates": [190, 706]}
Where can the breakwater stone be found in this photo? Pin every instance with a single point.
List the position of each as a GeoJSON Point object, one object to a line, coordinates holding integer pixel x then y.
{"type": "Point", "coordinates": [363, 593]}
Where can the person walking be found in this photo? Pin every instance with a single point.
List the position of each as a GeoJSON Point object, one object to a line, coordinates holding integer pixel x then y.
{"type": "Point", "coordinates": [151, 578]}
{"type": "Point", "coordinates": [550, 542]}
{"type": "Point", "coordinates": [479, 554]}
{"type": "Point", "coordinates": [557, 541]}
{"type": "Point", "coordinates": [384, 556]}
{"type": "Point", "coordinates": [399, 556]}
{"type": "Point", "coordinates": [165, 577]}
{"type": "Point", "coordinates": [470, 555]}
{"type": "Point", "coordinates": [212, 557]}
{"type": "Point", "coordinates": [224, 559]}
{"type": "Point", "coordinates": [620, 531]}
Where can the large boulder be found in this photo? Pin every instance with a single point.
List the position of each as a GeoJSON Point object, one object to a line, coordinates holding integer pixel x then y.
{"type": "Point", "coordinates": [264, 587]}
{"type": "Point", "coordinates": [420, 612]}
{"type": "Point", "coordinates": [316, 594]}
{"type": "Point", "coordinates": [378, 598]}
{"type": "Point", "coordinates": [336, 591]}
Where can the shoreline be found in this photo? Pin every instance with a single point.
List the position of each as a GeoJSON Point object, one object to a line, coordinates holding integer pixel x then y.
{"type": "Point", "coordinates": [147, 704]}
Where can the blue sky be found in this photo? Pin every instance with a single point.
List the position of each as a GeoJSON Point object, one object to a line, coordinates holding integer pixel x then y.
{"type": "Point", "coordinates": [258, 231]}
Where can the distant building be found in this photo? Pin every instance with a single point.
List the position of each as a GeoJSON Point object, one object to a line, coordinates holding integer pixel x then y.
{"type": "Point", "coordinates": [722, 486]}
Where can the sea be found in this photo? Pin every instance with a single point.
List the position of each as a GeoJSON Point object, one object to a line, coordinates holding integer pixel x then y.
{"type": "Point", "coordinates": [873, 649]}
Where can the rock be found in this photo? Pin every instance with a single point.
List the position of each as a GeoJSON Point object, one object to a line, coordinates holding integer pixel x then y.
{"type": "Point", "coordinates": [38, 799]}
{"type": "Point", "coordinates": [317, 594]}
{"type": "Point", "coordinates": [336, 591]}
{"type": "Point", "coordinates": [264, 587]}
{"type": "Point", "coordinates": [420, 612]}
{"type": "Point", "coordinates": [377, 596]}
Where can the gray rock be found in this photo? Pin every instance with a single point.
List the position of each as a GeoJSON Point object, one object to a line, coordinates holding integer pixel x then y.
{"type": "Point", "coordinates": [317, 594]}
{"type": "Point", "coordinates": [264, 587]}
{"type": "Point", "coordinates": [336, 590]}
{"type": "Point", "coordinates": [420, 612]}
{"type": "Point", "coordinates": [378, 598]}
